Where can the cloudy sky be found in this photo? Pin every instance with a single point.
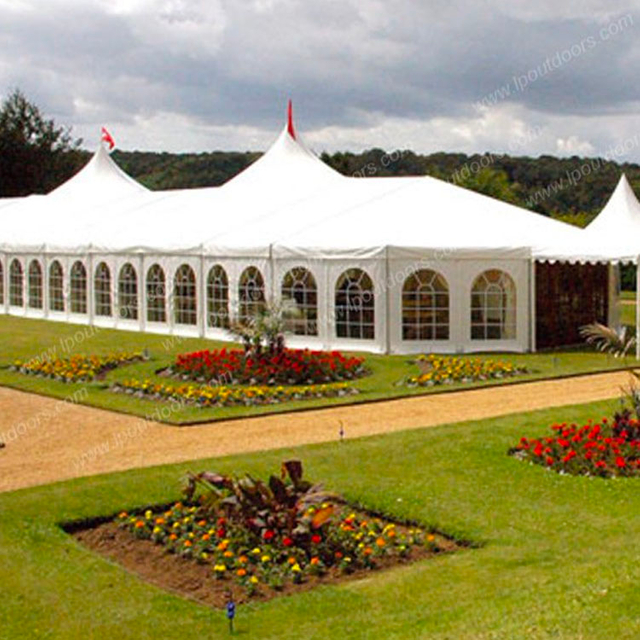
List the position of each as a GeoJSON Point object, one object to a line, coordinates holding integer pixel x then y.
{"type": "Point", "coordinates": [552, 76]}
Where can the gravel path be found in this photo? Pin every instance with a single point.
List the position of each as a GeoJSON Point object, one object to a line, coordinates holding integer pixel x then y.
{"type": "Point", "coordinates": [48, 440]}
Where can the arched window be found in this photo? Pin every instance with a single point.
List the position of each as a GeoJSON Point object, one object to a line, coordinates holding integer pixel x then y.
{"type": "Point", "coordinates": [156, 294]}
{"type": "Point", "coordinates": [217, 298]}
{"type": "Point", "coordinates": [355, 305]}
{"type": "Point", "coordinates": [56, 287]}
{"type": "Point", "coordinates": [128, 292]}
{"type": "Point", "coordinates": [493, 306]}
{"type": "Point", "coordinates": [185, 303]}
{"type": "Point", "coordinates": [251, 294]}
{"type": "Point", "coordinates": [102, 288]}
{"type": "Point", "coordinates": [35, 285]}
{"type": "Point", "coordinates": [78, 288]}
{"type": "Point", "coordinates": [299, 286]}
{"type": "Point", "coordinates": [425, 306]}
{"type": "Point", "coordinates": [1, 283]}
{"type": "Point", "coordinates": [16, 282]}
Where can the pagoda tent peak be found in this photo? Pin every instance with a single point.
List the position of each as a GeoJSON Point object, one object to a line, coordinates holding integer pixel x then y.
{"type": "Point", "coordinates": [100, 178]}
{"type": "Point", "coordinates": [287, 166]}
{"type": "Point", "coordinates": [620, 217]}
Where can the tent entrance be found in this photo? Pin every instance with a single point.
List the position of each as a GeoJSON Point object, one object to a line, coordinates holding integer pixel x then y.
{"type": "Point", "coordinates": [569, 296]}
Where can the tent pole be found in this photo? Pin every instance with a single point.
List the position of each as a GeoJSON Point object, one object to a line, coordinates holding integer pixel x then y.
{"type": "Point", "coordinates": [638, 308]}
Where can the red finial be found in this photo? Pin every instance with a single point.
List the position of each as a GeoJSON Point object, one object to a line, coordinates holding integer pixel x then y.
{"type": "Point", "coordinates": [290, 129]}
{"type": "Point", "coordinates": [106, 137]}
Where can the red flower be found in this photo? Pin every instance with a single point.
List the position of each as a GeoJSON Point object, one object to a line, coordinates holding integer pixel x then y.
{"type": "Point", "coordinates": [268, 535]}
{"type": "Point", "coordinates": [621, 463]}
{"type": "Point", "coordinates": [316, 539]}
{"type": "Point", "coordinates": [287, 542]}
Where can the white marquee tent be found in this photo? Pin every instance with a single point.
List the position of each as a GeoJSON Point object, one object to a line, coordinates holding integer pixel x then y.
{"type": "Point", "coordinates": [394, 265]}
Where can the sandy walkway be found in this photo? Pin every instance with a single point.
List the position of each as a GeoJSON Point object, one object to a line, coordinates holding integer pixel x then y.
{"type": "Point", "coordinates": [48, 440]}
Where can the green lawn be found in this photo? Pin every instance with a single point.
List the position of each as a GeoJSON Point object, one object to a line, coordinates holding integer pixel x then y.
{"type": "Point", "coordinates": [628, 308]}
{"type": "Point", "coordinates": [25, 339]}
{"type": "Point", "coordinates": [559, 555]}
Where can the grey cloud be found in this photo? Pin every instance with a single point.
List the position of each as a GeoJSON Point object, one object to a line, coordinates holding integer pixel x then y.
{"type": "Point", "coordinates": [352, 64]}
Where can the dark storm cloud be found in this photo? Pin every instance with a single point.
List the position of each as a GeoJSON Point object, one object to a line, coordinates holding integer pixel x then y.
{"type": "Point", "coordinates": [351, 64]}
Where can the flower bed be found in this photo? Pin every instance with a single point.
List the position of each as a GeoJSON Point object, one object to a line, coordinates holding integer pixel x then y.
{"type": "Point", "coordinates": [449, 369]}
{"type": "Point", "coordinates": [223, 396]}
{"type": "Point", "coordinates": [76, 368]}
{"type": "Point", "coordinates": [259, 538]}
{"type": "Point", "coordinates": [602, 449]}
{"type": "Point", "coordinates": [291, 366]}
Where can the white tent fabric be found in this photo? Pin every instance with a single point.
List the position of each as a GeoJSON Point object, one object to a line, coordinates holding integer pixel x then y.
{"type": "Point", "coordinates": [289, 209]}
{"type": "Point", "coordinates": [613, 236]}
{"type": "Point", "coordinates": [86, 199]}
{"type": "Point", "coordinates": [289, 202]}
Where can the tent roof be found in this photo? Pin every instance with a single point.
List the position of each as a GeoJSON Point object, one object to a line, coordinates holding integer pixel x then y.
{"type": "Point", "coordinates": [613, 236]}
{"type": "Point", "coordinates": [100, 178]}
{"type": "Point", "coordinates": [288, 202]}
{"type": "Point", "coordinates": [621, 214]}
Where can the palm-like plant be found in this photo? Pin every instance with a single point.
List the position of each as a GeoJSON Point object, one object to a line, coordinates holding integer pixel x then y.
{"type": "Point", "coordinates": [608, 340]}
{"type": "Point", "coordinates": [267, 328]}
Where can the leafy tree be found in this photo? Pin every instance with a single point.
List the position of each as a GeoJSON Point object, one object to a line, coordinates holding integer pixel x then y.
{"type": "Point", "coordinates": [491, 182]}
{"type": "Point", "coordinates": [35, 154]}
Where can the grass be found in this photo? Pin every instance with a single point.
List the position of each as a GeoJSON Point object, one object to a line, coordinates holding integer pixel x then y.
{"type": "Point", "coordinates": [628, 308]}
{"type": "Point", "coordinates": [31, 338]}
{"type": "Point", "coordinates": [558, 555]}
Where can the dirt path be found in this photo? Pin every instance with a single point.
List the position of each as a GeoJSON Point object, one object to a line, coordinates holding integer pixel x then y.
{"type": "Point", "coordinates": [48, 440]}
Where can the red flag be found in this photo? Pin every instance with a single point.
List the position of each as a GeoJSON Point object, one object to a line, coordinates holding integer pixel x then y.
{"type": "Point", "coordinates": [290, 129]}
{"type": "Point", "coordinates": [107, 137]}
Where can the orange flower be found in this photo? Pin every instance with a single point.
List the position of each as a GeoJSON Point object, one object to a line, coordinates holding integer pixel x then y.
{"type": "Point", "coordinates": [430, 538]}
{"type": "Point", "coordinates": [241, 572]}
{"type": "Point", "coordinates": [173, 536]}
{"type": "Point", "coordinates": [139, 524]}
{"type": "Point", "coordinates": [187, 543]}
{"type": "Point", "coordinates": [160, 520]}
{"type": "Point", "coordinates": [206, 536]}
{"type": "Point", "coordinates": [243, 559]}
{"type": "Point", "coordinates": [391, 533]}
{"type": "Point", "coordinates": [292, 560]}
{"type": "Point", "coordinates": [202, 523]}
{"type": "Point", "coordinates": [315, 560]}
{"type": "Point", "coordinates": [380, 542]}
{"type": "Point", "coordinates": [368, 551]}
{"type": "Point", "coordinates": [228, 554]}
